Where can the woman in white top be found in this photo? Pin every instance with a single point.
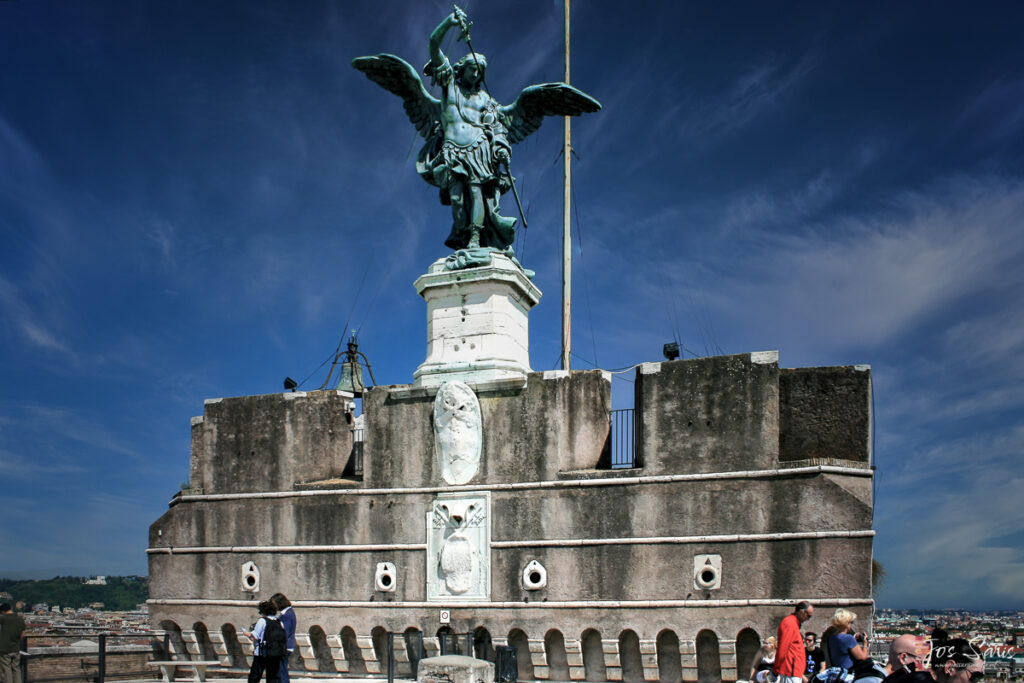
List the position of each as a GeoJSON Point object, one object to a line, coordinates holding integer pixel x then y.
{"type": "Point", "coordinates": [260, 661]}
{"type": "Point", "coordinates": [763, 661]}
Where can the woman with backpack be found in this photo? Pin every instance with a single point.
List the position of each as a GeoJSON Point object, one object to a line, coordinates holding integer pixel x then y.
{"type": "Point", "coordinates": [286, 615]}
{"type": "Point", "coordinates": [269, 644]}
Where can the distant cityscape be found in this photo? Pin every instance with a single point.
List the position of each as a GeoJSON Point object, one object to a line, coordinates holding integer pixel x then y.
{"type": "Point", "coordinates": [998, 634]}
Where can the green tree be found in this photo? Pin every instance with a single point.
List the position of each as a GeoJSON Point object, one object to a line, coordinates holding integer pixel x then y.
{"type": "Point", "coordinates": [877, 575]}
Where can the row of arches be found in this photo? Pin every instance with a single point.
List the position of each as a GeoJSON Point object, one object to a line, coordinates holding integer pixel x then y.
{"type": "Point", "coordinates": [589, 658]}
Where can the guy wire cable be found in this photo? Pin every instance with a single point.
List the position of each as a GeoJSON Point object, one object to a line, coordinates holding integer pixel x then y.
{"type": "Point", "coordinates": [583, 265]}
{"type": "Point", "coordinates": [344, 330]}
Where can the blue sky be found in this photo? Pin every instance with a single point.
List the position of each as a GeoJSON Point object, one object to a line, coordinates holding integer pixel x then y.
{"type": "Point", "coordinates": [195, 197]}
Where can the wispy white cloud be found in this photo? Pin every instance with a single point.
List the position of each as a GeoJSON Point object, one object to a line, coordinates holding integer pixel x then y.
{"type": "Point", "coordinates": [161, 233]}
{"type": "Point", "coordinates": [860, 281]}
{"type": "Point", "coordinates": [761, 87]}
{"type": "Point", "coordinates": [999, 108]}
{"type": "Point", "coordinates": [20, 156]}
{"type": "Point", "coordinates": [44, 422]}
{"type": "Point", "coordinates": [16, 466]}
{"type": "Point", "coordinates": [22, 322]}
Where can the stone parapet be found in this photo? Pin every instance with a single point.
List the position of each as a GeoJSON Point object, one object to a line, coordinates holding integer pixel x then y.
{"type": "Point", "coordinates": [708, 414]}
{"type": "Point", "coordinates": [825, 413]}
{"type": "Point", "coordinates": [271, 442]}
{"type": "Point", "coordinates": [551, 424]}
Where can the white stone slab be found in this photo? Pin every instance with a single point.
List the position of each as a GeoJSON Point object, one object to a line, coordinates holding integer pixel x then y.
{"type": "Point", "coordinates": [477, 323]}
{"type": "Point", "coordinates": [764, 357]}
{"type": "Point", "coordinates": [459, 547]}
{"type": "Point", "coordinates": [458, 434]}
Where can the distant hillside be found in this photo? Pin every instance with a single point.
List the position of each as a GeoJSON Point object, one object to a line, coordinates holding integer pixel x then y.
{"type": "Point", "coordinates": [120, 593]}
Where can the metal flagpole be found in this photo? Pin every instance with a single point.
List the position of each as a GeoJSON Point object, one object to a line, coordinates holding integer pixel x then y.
{"type": "Point", "coordinates": [566, 236]}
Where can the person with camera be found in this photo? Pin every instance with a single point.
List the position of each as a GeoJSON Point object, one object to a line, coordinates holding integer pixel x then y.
{"type": "Point", "coordinates": [269, 644]}
{"type": "Point", "coordinates": [842, 647]}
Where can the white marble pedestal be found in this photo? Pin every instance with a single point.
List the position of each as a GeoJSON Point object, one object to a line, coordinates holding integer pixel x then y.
{"type": "Point", "coordinates": [477, 323]}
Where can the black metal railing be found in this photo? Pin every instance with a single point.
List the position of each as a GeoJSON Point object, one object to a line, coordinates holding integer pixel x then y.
{"type": "Point", "coordinates": [95, 664]}
{"type": "Point", "coordinates": [623, 439]}
{"type": "Point", "coordinates": [355, 465]}
{"type": "Point", "coordinates": [450, 644]}
{"type": "Point", "coordinates": [413, 644]}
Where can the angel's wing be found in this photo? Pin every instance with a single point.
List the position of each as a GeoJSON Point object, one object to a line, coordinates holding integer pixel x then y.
{"type": "Point", "coordinates": [525, 115]}
{"type": "Point", "coordinates": [397, 76]}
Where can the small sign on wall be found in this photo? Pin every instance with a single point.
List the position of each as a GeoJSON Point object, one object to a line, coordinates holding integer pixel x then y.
{"type": "Point", "coordinates": [445, 617]}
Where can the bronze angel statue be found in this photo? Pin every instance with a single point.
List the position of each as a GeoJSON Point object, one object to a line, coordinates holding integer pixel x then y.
{"type": "Point", "coordinates": [469, 135]}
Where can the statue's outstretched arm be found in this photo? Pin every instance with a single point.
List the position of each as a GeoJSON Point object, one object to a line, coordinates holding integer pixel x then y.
{"type": "Point", "coordinates": [437, 57]}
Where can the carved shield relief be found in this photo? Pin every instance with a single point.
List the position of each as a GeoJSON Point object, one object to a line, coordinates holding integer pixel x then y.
{"type": "Point", "coordinates": [458, 435]}
{"type": "Point", "coordinates": [459, 547]}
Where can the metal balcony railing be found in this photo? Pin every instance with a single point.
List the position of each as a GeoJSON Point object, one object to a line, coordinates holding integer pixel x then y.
{"type": "Point", "coordinates": [623, 439]}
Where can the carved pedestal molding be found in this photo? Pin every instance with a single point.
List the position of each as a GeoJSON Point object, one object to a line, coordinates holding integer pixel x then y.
{"type": "Point", "coordinates": [574, 657]}
{"type": "Point", "coordinates": [727, 659]}
{"type": "Point", "coordinates": [365, 644]}
{"type": "Point", "coordinates": [539, 657]}
{"type": "Point", "coordinates": [220, 647]}
{"type": "Point", "coordinates": [191, 644]}
{"type": "Point", "coordinates": [431, 646]}
{"type": "Point", "coordinates": [477, 323]}
{"type": "Point", "coordinates": [649, 659]}
{"type": "Point", "coordinates": [612, 661]}
{"type": "Point", "coordinates": [338, 653]}
{"type": "Point", "coordinates": [688, 659]}
{"type": "Point", "coordinates": [246, 645]}
{"type": "Point", "coordinates": [304, 645]}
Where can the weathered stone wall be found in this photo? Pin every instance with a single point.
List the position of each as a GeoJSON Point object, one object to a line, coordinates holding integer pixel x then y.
{"type": "Point", "coordinates": [708, 414]}
{"type": "Point", "coordinates": [355, 531]}
{"type": "Point", "coordinates": [270, 442]}
{"type": "Point", "coordinates": [753, 466]}
{"type": "Point", "coordinates": [825, 413]}
{"type": "Point", "coordinates": [555, 423]}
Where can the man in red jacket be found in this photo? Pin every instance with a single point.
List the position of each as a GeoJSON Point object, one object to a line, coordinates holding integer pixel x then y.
{"type": "Point", "coordinates": [791, 658]}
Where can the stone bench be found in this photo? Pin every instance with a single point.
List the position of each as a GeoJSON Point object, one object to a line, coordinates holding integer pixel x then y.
{"type": "Point", "coordinates": [198, 668]}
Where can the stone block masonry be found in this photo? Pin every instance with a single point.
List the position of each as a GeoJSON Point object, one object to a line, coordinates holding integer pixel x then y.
{"type": "Point", "coordinates": [763, 473]}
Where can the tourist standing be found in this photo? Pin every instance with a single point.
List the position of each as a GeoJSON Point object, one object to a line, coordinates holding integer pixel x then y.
{"type": "Point", "coordinates": [790, 657]}
{"type": "Point", "coordinates": [287, 616]}
{"type": "Point", "coordinates": [12, 628]}
{"type": "Point", "coordinates": [264, 657]}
